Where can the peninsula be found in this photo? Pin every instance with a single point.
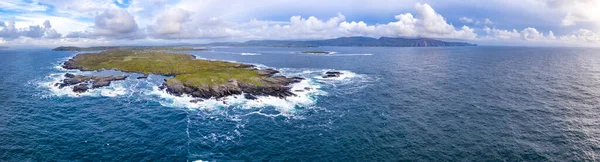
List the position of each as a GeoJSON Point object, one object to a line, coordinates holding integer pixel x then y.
{"type": "Point", "coordinates": [198, 78]}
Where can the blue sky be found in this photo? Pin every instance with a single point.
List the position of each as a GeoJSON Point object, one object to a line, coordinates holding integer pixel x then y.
{"type": "Point", "coordinates": [115, 22]}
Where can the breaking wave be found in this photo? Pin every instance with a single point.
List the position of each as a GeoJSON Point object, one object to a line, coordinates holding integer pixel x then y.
{"type": "Point", "coordinates": [250, 54]}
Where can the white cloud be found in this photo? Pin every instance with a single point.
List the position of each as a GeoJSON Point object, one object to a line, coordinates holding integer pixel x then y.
{"type": "Point", "coordinates": [587, 11]}
{"type": "Point", "coordinates": [181, 24]}
{"type": "Point", "coordinates": [170, 23]}
{"type": "Point", "coordinates": [115, 22]}
{"type": "Point", "coordinates": [582, 35]}
{"type": "Point", "coordinates": [9, 31]}
{"type": "Point", "coordinates": [214, 20]}
{"type": "Point", "coordinates": [466, 20]}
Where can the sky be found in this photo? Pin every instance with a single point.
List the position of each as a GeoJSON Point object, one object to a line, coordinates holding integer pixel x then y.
{"type": "Point", "coordinates": [161, 22]}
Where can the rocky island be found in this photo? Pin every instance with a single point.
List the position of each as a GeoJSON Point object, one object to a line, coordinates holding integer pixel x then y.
{"type": "Point", "coordinates": [198, 78]}
{"type": "Point", "coordinates": [318, 52]}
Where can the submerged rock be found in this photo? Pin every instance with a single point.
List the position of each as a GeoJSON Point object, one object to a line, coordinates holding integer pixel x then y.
{"type": "Point", "coordinates": [332, 74]}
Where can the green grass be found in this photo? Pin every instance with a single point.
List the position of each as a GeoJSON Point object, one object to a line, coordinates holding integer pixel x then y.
{"type": "Point", "coordinates": [189, 71]}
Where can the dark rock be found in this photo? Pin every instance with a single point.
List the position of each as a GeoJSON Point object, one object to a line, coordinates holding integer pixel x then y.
{"type": "Point", "coordinates": [96, 81]}
{"type": "Point", "coordinates": [101, 83]}
{"type": "Point", "coordinates": [175, 87]}
{"type": "Point", "coordinates": [80, 88]}
{"type": "Point", "coordinates": [196, 100]}
{"type": "Point", "coordinates": [72, 81]}
{"type": "Point", "coordinates": [332, 74]}
{"type": "Point", "coordinates": [249, 96]}
{"type": "Point", "coordinates": [267, 72]}
{"type": "Point", "coordinates": [299, 90]}
{"type": "Point", "coordinates": [143, 77]}
{"type": "Point", "coordinates": [307, 88]}
{"type": "Point", "coordinates": [69, 75]}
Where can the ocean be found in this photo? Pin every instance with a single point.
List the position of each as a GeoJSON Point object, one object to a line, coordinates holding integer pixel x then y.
{"type": "Point", "coordinates": [390, 104]}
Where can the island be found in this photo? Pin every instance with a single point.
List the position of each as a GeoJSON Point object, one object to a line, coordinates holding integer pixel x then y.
{"type": "Point", "coordinates": [3, 47]}
{"type": "Point", "coordinates": [102, 48]}
{"type": "Point", "coordinates": [317, 52]}
{"type": "Point", "coordinates": [202, 79]}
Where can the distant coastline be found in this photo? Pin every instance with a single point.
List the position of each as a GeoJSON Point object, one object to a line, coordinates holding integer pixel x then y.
{"type": "Point", "coordinates": [348, 41]}
{"type": "Point", "coordinates": [342, 41]}
{"type": "Point", "coordinates": [3, 47]}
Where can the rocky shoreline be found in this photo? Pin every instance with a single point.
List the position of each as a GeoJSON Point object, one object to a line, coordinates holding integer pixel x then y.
{"type": "Point", "coordinates": [277, 86]}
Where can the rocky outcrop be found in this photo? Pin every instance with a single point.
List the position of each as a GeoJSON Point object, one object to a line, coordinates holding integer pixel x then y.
{"type": "Point", "coordinates": [143, 77]}
{"type": "Point", "coordinates": [82, 82]}
{"type": "Point", "coordinates": [332, 74]}
{"type": "Point", "coordinates": [274, 86]}
{"type": "Point", "coordinates": [80, 88]}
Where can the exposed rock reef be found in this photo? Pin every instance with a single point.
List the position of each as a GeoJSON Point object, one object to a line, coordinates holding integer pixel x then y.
{"type": "Point", "coordinates": [332, 74]}
{"type": "Point", "coordinates": [82, 83]}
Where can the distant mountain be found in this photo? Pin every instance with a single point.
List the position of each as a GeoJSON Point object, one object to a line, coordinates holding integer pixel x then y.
{"type": "Point", "coordinates": [350, 41]}
{"type": "Point", "coordinates": [3, 47]}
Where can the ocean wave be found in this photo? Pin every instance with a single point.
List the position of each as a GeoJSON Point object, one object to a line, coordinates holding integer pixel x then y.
{"type": "Point", "coordinates": [306, 93]}
{"type": "Point", "coordinates": [353, 54]}
{"type": "Point", "coordinates": [250, 54]}
{"type": "Point", "coordinates": [115, 89]}
{"type": "Point", "coordinates": [236, 53]}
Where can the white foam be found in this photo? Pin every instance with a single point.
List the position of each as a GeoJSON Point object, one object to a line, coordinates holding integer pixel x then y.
{"type": "Point", "coordinates": [285, 106]}
{"type": "Point", "coordinates": [354, 54]}
{"type": "Point", "coordinates": [250, 54]}
{"type": "Point", "coordinates": [237, 53]}
{"type": "Point", "coordinates": [346, 75]}
{"type": "Point", "coordinates": [115, 89]}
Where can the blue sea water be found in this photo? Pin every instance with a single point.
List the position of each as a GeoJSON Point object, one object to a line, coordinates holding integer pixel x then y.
{"type": "Point", "coordinates": [391, 104]}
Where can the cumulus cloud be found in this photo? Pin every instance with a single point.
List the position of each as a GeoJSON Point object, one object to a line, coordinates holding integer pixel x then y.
{"type": "Point", "coordinates": [182, 24]}
{"type": "Point", "coordinates": [208, 21]}
{"type": "Point", "coordinates": [171, 23]}
{"type": "Point", "coordinates": [112, 23]}
{"type": "Point", "coordinates": [466, 20]}
{"type": "Point", "coordinates": [8, 31]}
{"type": "Point", "coordinates": [115, 23]}
{"type": "Point", "coordinates": [582, 35]}
{"type": "Point", "coordinates": [577, 11]}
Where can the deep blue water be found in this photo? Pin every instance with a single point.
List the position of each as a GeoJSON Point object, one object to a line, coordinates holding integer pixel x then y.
{"type": "Point", "coordinates": [415, 104]}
